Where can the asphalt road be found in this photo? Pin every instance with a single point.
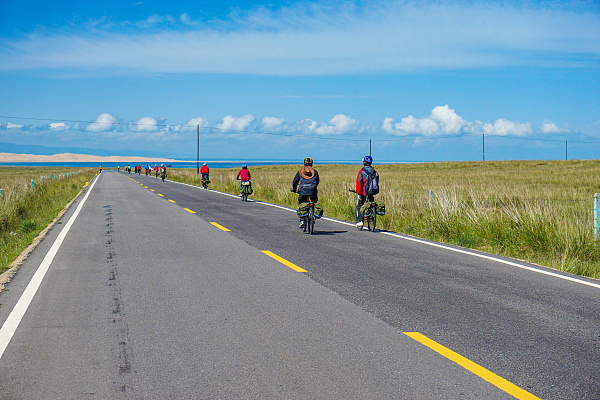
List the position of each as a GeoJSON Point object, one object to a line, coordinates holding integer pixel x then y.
{"type": "Point", "coordinates": [146, 299]}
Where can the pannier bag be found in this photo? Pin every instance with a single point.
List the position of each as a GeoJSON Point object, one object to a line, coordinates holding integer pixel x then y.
{"type": "Point", "coordinates": [246, 183]}
{"type": "Point", "coordinates": [303, 209]}
{"type": "Point", "coordinates": [380, 209]}
{"type": "Point", "coordinates": [365, 210]}
{"type": "Point", "coordinates": [318, 211]}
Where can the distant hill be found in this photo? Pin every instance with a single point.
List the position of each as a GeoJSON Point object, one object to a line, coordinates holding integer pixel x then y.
{"type": "Point", "coordinates": [48, 151]}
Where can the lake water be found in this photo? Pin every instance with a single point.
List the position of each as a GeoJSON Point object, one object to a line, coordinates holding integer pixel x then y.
{"type": "Point", "coordinates": [183, 164]}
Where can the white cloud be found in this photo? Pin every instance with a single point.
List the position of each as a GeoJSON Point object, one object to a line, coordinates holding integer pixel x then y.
{"type": "Point", "coordinates": [103, 123]}
{"type": "Point", "coordinates": [10, 125]}
{"type": "Point", "coordinates": [503, 127]}
{"type": "Point", "coordinates": [236, 123]}
{"type": "Point", "coordinates": [146, 124]}
{"type": "Point", "coordinates": [443, 120]}
{"type": "Point", "coordinates": [338, 125]}
{"type": "Point", "coordinates": [271, 123]}
{"type": "Point", "coordinates": [550, 127]}
{"type": "Point", "coordinates": [322, 38]}
{"type": "Point", "coordinates": [194, 122]}
{"type": "Point", "coordinates": [59, 126]}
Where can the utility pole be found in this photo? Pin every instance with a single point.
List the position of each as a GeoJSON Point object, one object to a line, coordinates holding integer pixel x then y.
{"type": "Point", "coordinates": [198, 152]}
{"type": "Point", "coordinates": [483, 146]}
{"type": "Point", "coordinates": [370, 147]}
{"type": "Point", "coordinates": [566, 150]}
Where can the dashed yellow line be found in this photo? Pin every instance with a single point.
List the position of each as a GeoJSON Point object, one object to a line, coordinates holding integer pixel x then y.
{"type": "Point", "coordinates": [469, 365]}
{"type": "Point", "coordinates": [160, 195]}
{"type": "Point", "coordinates": [284, 261]}
{"type": "Point", "coordinates": [188, 210]}
{"type": "Point", "coordinates": [173, 201]}
{"type": "Point", "coordinates": [152, 190]}
{"type": "Point", "coordinates": [221, 227]}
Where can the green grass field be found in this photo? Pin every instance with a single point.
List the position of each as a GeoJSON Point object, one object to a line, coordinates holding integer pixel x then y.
{"type": "Point", "coordinates": [538, 211]}
{"type": "Point", "coordinates": [25, 213]}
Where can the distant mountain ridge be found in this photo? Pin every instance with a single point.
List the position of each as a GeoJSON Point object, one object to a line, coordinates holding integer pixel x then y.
{"type": "Point", "coordinates": [48, 151]}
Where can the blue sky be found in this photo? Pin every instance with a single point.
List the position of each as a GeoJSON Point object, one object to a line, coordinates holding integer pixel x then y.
{"type": "Point", "coordinates": [424, 80]}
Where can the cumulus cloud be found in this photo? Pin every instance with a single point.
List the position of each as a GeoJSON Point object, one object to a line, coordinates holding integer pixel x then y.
{"type": "Point", "coordinates": [146, 124]}
{"type": "Point", "coordinates": [58, 126]}
{"type": "Point", "coordinates": [443, 120]}
{"type": "Point", "coordinates": [103, 123]}
{"type": "Point", "coordinates": [194, 122]}
{"type": "Point", "coordinates": [338, 125]}
{"type": "Point", "coordinates": [236, 123]}
{"type": "Point", "coordinates": [550, 127]}
{"type": "Point", "coordinates": [306, 39]}
{"type": "Point", "coordinates": [271, 123]}
{"type": "Point", "coordinates": [504, 127]}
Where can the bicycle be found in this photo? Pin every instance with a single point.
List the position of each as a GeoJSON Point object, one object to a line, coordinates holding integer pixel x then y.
{"type": "Point", "coordinates": [245, 190]}
{"type": "Point", "coordinates": [370, 220]}
{"type": "Point", "coordinates": [310, 218]}
{"type": "Point", "coordinates": [163, 175]}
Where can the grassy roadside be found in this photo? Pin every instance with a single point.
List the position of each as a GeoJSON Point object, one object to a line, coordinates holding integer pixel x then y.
{"type": "Point", "coordinates": [23, 213]}
{"type": "Point", "coordinates": [538, 211]}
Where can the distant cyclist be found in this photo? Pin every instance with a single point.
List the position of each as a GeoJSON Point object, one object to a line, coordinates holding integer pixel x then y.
{"type": "Point", "coordinates": [243, 176]}
{"type": "Point", "coordinates": [305, 184]}
{"type": "Point", "coordinates": [364, 186]}
{"type": "Point", "coordinates": [100, 168]}
{"type": "Point", "coordinates": [205, 171]}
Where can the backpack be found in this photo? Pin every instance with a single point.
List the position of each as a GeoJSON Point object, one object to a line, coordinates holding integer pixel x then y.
{"type": "Point", "coordinates": [371, 183]}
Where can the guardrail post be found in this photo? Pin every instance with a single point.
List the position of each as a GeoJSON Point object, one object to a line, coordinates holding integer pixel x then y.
{"type": "Point", "coordinates": [596, 222]}
{"type": "Point", "coordinates": [32, 187]}
{"type": "Point", "coordinates": [431, 197]}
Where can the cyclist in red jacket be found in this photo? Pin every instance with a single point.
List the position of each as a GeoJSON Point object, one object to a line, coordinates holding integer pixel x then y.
{"type": "Point", "coordinates": [205, 171]}
{"type": "Point", "coordinates": [243, 176]}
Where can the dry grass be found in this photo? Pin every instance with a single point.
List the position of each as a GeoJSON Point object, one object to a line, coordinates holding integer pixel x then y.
{"type": "Point", "coordinates": [23, 213]}
{"type": "Point", "coordinates": [539, 211]}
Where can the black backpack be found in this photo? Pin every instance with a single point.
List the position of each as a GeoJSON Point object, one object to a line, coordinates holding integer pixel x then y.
{"type": "Point", "coordinates": [371, 183]}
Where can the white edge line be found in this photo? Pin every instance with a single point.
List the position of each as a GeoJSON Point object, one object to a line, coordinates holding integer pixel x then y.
{"type": "Point", "coordinates": [425, 242]}
{"type": "Point", "coordinates": [14, 319]}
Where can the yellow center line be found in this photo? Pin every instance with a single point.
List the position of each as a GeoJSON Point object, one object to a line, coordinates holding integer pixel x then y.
{"type": "Point", "coordinates": [220, 227]}
{"type": "Point", "coordinates": [146, 187]}
{"type": "Point", "coordinates": [152, 190]}
{"type": "Point", "coordinates": [188, 210]}
{"type": "Point", "coordinates": [172, 201]}
{"type": "Point", "coordinates": [469, 365]}
{"type": "Point", "coordinates": [284, 261]}
{"type": "Point", "coordinates": [160, 195]}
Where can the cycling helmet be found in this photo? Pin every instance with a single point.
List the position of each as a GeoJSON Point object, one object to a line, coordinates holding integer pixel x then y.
{"type": "Point", "coordinates": [367, 160]}
{"type": "Point", "coordinates": [244, 166]}
{"type": "Point", "coordinates": [308, 161]}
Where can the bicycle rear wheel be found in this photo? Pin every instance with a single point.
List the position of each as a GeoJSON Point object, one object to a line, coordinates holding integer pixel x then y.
{"type": "Point", "coordinates": [372, 220]}
{"type": "Point", "coordinates": [311, 220]}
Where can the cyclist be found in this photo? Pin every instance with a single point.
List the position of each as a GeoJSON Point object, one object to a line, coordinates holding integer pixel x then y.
{"type": "Point", "coordinates": [305, 184]}
{"type": "Point", "coordinates": [243, 176]}
{"type": "Point", "coordinates": [163, 169]}
{"type": "Point", "coordinates": [156, 170]}
{"type": "Point", "coordinates": [100, 168]}
{"type": "Point", "coordinates": [361, 187]}
{"type": "Point", "coordinates": [205, 171]}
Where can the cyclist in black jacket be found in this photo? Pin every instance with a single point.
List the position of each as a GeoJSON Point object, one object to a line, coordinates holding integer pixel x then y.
{"type": "Point", "coordinates": [305, 184]}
